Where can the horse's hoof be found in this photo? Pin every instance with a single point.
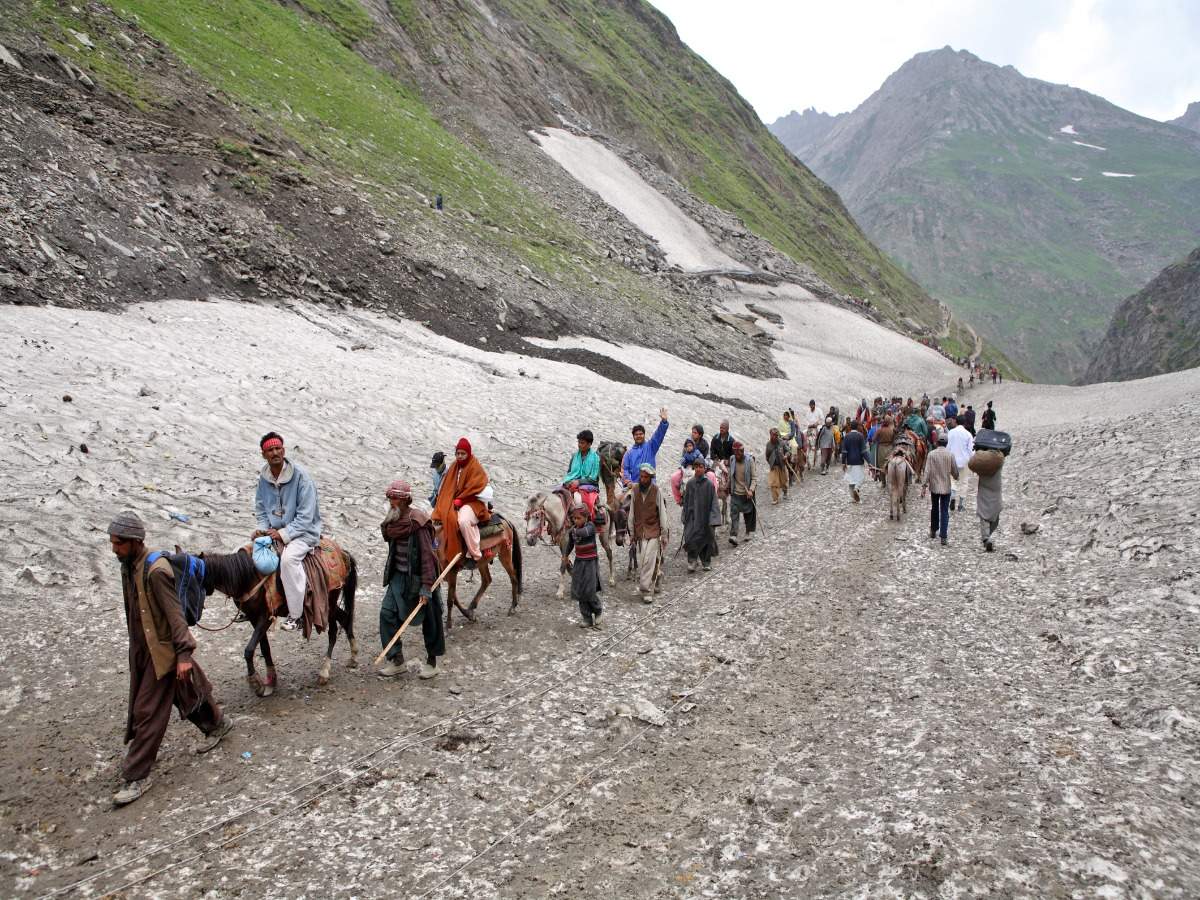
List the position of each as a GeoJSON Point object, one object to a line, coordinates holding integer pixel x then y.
{"type": "Point", "coordinates": [256, 685]}
{"type": "Point", "coordinates": [268, 690]}
{"type": "Point", "coordinates": [323, 674]}
{"type": "Point", "coordinates": [353, 663]}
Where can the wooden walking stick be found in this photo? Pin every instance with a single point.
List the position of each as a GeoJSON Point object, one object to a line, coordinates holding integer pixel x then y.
{"type": "Point", "coordinates": [412, 615]}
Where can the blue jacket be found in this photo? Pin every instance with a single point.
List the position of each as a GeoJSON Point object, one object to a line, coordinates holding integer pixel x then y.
{"type": "Point", "coordinates": [584, 469]}
{"type": "Point", "coordinates": [647, 452]}
{"type": "Point", "coordinates": [436, 477]}
{"type": "Point", "coordinates": [289, 505]}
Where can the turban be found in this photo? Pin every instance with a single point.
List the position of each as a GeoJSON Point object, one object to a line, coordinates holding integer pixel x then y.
{"type": "Point", "coordinates": [463, 444]}
{"type": "Point", "coordinates": [737, 445]}
{"type": "Point", "coordinates": [400, 490]}
{"type": "Point", "coordinates": [646, 467]}
{"type": "Point", "coordinates": [127, 525]}
{"type": "Point", "coordinates": [272, 443]}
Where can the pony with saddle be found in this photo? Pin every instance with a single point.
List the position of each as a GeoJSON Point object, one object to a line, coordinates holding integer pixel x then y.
{"type": "Point", "coordinates": [547, 514]}
{"type": "Point", "coordinates": [332, 576]}
{"type": "Point", "coordinates": [496, 534]}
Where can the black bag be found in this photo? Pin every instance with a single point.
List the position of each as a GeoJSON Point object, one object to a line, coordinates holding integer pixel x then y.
{"type": "Point", "coordinates": [987, 439]}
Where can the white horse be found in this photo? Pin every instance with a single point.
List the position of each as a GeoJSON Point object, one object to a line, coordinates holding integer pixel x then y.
{"type": "Point", "coordinates": [546, 518]}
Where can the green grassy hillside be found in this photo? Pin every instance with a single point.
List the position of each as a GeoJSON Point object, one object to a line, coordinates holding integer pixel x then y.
{"type": "Point", "coordinates": [373, 91]}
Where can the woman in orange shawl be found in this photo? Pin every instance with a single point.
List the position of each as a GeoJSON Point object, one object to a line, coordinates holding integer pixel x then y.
{"type": "Point", "coordinates": [457, 508]}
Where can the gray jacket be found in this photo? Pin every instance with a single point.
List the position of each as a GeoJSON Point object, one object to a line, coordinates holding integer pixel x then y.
{"type": "Point", "coordinates": [988, 500]}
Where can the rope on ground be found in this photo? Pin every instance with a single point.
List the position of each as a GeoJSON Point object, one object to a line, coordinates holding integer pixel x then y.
{"type": "Point", "coordinates": [414, 739]}
{"type": "Point", "coordinates": [571, 788]}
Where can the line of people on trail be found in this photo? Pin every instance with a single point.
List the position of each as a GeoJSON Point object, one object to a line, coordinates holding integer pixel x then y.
{"type": "Point", "coordinates": [287, 515]}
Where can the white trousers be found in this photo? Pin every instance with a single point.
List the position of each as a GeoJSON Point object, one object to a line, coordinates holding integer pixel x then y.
{"type": "Point", "coordinates": [647, 560]}
{"type": "Point", "coordinates": [291, 573]}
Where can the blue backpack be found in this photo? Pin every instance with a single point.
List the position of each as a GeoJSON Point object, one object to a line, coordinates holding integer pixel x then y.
{"type": "Point", "coordinates": [189, 582]}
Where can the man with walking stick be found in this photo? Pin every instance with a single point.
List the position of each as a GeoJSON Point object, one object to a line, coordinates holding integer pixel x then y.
{"type": "Point", "coordinates": [410, 577]}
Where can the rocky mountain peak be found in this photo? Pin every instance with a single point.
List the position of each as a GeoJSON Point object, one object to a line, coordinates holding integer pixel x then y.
{"type": "Point", "coordinates": [1190, 119]}
{"type": "Point", "coordinates": [1028, 207]}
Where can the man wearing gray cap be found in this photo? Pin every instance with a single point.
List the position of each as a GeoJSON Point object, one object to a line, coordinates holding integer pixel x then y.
{"type": "Point", "coordinates": [162, 673]}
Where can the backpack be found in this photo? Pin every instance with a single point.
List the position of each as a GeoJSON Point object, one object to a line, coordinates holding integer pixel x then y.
{"type": "Point", "coordinates": [189, 582]}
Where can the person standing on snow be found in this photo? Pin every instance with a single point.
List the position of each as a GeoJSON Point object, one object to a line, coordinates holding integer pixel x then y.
{"type": "Point", "coordinates": [162, 672]}
{"type": "Point", "coordinates": [940, 470]}
{"type": "Point", "coordinates": [961, 445]}
{"type": "Point", "coordinates": [854, 458]}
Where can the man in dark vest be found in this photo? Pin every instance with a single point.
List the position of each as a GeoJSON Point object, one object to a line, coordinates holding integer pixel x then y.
{"type": "Point", "coordinates": [408, 576]}
{"type": "Point", "coordinates": [649, 527]}
{"type": "Point", "coordinates": [162, 673]}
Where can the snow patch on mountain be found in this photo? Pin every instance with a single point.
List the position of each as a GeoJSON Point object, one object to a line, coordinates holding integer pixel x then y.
{"type": "Point", "coordinates": [1068, 129]}
{"type": "Point", "coordinates": [685, 243]}
{"type": "Point", "coordinates": [1089, 146]}
{"type": "Point", "coordinates": [1118, 175]}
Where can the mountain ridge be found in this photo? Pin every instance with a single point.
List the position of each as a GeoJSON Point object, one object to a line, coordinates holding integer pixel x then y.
{"type": "Point", "coordinates": [1029, 208]}
{"type": "Point", "coordinates": [1156, 330]}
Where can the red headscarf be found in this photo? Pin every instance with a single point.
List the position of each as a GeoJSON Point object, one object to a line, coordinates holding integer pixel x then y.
{"type": "Point", "coordinates": [463, 444]}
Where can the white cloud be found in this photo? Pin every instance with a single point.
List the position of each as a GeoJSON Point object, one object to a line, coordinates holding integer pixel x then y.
{"type": "Point", "coordinates": [791, 54]}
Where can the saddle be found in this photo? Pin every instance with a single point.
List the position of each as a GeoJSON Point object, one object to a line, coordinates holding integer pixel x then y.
{"type": "Point", "coordinates": [589, 495]}
{"type": "Point", "coordinates": [325, 570]}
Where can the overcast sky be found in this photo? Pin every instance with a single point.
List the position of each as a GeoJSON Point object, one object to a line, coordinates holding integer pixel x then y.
{"type": "Point", "coordinates": [782, 55]}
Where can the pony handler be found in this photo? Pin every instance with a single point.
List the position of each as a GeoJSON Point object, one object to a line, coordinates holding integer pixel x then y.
{"type": "Point", "coordinates": [162, 672]}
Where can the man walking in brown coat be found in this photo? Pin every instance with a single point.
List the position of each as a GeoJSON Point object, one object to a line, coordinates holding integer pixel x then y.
{"type": "Point", "coordinates": [940, 472]}
{"type": "Point", "coordinates": [162, 673]}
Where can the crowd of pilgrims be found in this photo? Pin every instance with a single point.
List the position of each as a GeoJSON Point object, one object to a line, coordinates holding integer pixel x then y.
{"type": "Point", "coordinates": [714, 482]}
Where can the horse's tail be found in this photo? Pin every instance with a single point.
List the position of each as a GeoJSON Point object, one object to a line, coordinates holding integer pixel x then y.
{"type": "Point", "coordinates": [350, 586]}
{"type": "Point", "coordinates": [518, 567]}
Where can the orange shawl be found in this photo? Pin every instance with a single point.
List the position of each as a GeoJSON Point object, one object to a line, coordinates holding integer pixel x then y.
{"type": "Point", "coordinates": [463, 481]}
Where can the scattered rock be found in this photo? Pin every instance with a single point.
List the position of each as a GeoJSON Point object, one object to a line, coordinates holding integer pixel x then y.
{"type": "Point", "coordinates": [338, 211]}
{"type": "Point", "coordinates": [67, 398]}
{"type": "Point", "coordinates": [113, 245]}
{"type": "Point", "coordinates": [1030, 527]}
{"type": "Point", "coordinates": [82, 39]}
{"type": "Point", "coordinates": [83, 448]}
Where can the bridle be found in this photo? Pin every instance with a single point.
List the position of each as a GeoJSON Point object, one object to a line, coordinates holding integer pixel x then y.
{"type": "Point", "coordinates": [543, 527]}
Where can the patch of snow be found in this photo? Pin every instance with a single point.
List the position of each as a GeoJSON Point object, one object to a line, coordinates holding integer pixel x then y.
{"type": "Point", "coordinates": [1073, 178]}
{"type": "Point", "coordinates": [593, 165]}
{"type": "Point", "coordinates": [1118, 175]}
{"type": "Point", "coordinates": [1068, 129]}
{"type": "Point", "coordinates": [825, 351]}
{"type": "Point", "coordinates": [1089, 146]}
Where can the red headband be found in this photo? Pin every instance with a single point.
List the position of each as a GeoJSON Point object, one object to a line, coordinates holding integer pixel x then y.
{"type": "Point", "coordinates": [272, 443]}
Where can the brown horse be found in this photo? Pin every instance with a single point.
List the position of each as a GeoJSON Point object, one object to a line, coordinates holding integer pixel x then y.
{"type": "Point", "coordinates": [506, 547]}
{"type": "Point", "coordinates": [612, 454]}
{"type": "Point", "coordinates": [234, 575]}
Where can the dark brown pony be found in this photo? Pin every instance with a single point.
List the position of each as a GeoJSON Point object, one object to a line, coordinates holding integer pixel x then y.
{"type": "Point", "coordinates": [234, 575]}
{"type": "Point", "coordinates": [509, 553]}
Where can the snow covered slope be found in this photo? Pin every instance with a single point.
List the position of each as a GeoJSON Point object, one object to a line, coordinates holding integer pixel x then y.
{"type": "Point", "coordinates": [685, 243]}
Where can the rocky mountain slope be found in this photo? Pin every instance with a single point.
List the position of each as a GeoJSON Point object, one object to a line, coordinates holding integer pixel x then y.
{"type": "Point", "coordinates": [1156, 330]}
{"type": "Point", "coordinates": [1190, 118]}
{"type": "Point", "coordinates": [292, 150]}
{"type": "Point", "coordinates": [1030, 208]}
